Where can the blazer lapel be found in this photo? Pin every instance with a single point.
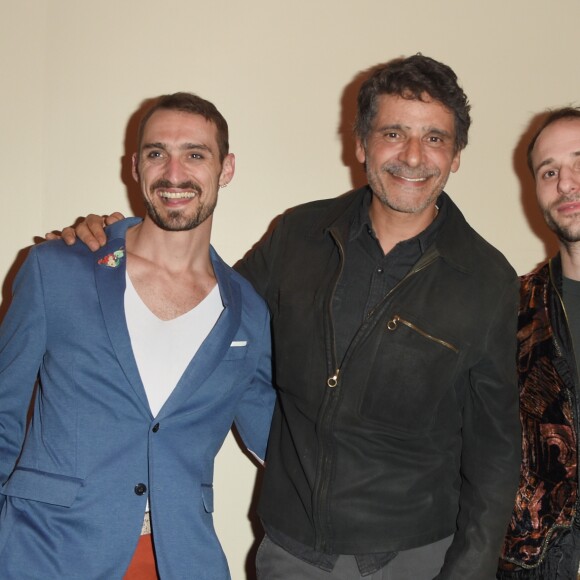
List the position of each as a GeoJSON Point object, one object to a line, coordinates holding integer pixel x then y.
{"type": "Point", "coordinates": [213, 348]}
{"type": "Point", "coordinates": [110, 270]}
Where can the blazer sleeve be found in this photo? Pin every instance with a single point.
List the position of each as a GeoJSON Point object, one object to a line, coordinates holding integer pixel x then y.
{"type": "Point", "coordinates": [22, 347]}
{"type": "Point", "coordinates": [254, 413]}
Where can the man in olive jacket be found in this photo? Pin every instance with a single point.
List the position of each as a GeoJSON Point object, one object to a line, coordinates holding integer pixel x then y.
{"type": "Point", "coordinates": [395, 444]}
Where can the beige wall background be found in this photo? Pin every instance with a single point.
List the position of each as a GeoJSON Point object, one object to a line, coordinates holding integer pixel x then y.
{"type": "Point", "coordinates": [284, 74]}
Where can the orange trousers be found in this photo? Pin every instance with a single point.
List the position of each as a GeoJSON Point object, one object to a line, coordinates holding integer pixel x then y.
{"type": "Point", "coordinates": [142, 566]}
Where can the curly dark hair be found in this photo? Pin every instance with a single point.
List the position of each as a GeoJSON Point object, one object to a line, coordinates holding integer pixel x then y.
{"type": "Point", "coordinates": [413, 78]}
{"type": "Point", "coordinates": [190, 103]}
{"type": "Point", "coordinates": [553, 116]}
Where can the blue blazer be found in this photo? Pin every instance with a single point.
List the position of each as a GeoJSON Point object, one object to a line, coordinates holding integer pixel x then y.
{"type": "Point", "coordinates": [74, 492]}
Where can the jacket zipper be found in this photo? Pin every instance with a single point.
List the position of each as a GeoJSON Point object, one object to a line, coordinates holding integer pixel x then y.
{"type": "Point", "coordinates": [331, 398]}
{"type": "Point", "coordinates": [393, 324]}
{"type": "Point", "coordinates": [327, 413]}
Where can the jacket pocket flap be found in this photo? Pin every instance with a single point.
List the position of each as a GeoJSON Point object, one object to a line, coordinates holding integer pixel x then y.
{"type": "Point", "coordinates": [42, 486]}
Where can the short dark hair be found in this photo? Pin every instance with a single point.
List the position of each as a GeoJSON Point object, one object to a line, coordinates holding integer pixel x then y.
{"type": "Point", "coordinates": [189, 103]}
{"type": "Point", "coordinates": [412, 78]}
{"type": "Point", "coordinates": [553, 116]}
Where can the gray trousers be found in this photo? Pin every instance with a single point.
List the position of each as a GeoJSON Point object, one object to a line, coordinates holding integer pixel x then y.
{"type": "Point", "coordinates": [424, 563]}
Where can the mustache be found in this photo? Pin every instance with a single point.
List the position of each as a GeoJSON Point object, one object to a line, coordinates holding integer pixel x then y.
{"type": "Point", "coordinates": [562, 200]}
{"type": "Point", "coordinates": [402, 170]}
{"type": "Point", "coordinates": [567, 199]}
{"type": "Point", "coordinates": [166, 184]}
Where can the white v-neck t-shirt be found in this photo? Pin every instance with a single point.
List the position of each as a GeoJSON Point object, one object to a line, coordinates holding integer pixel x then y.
{"type": "Point", "coordinates": [164, 348]}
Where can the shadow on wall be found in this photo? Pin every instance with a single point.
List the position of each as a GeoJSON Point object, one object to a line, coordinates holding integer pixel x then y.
{"type": "Point", "coordinates": [528, 188]}
{"type": "Point", "coordinates": [133, 194]}
{"type": "Point", "coordinates": [348, 106]}
{"type": "Point", "coordinates": [130, 145]}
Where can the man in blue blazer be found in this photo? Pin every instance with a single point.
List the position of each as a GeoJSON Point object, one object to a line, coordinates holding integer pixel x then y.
{"type": "Point", "coordinates": [145, 354]}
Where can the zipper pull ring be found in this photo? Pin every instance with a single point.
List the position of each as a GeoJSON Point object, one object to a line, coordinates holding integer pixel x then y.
{"type": "Point", "coordinates": [333, 380]}
{"type": "Point", "coordinates": [393, 323]}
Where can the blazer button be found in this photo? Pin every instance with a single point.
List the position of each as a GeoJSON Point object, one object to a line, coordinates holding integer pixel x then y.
{"type": "Point", "coordinates": [140, 488]}
{"type": "Point", "coordinates": [155, 428]}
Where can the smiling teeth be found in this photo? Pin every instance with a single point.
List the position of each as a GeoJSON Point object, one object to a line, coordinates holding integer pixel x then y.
{"type": "Point", "coordinates": [413, 180]}
{"type": "Point", "coordinates": [177, 195]}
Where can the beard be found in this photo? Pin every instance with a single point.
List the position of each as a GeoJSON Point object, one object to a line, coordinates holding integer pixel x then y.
{"type": "Point", "coordinates": [567, 233]}
{"type": "Point", "coordinates": [175, 220]}
{"type": "Point", "coordinates": [402, 203]}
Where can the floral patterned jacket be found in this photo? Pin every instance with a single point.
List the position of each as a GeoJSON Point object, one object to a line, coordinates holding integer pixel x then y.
{"type": "Point", "coordinates": [546, 499]}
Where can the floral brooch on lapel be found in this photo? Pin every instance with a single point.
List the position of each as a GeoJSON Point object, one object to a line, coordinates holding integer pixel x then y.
{"type": "Point", "coordinates": [114, 259]}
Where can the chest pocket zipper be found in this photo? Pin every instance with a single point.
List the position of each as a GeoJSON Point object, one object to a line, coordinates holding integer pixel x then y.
{"type": "Point", "coordinates": [393, 324]}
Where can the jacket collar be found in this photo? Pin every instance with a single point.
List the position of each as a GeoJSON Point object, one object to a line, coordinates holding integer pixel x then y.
{"type": "Point", "coordinates": [449, 243]}
{"type": "Point", "coordinates": [555, 272]}
{"type": "Point", "coordinates": [110, 270]}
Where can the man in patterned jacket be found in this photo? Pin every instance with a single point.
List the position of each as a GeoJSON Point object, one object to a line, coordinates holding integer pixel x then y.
{"type": "Point", "coordinates": [543, 539]}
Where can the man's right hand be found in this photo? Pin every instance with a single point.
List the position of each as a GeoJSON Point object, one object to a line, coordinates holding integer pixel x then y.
{"type": "Point", "coordinates": [90, 231]}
